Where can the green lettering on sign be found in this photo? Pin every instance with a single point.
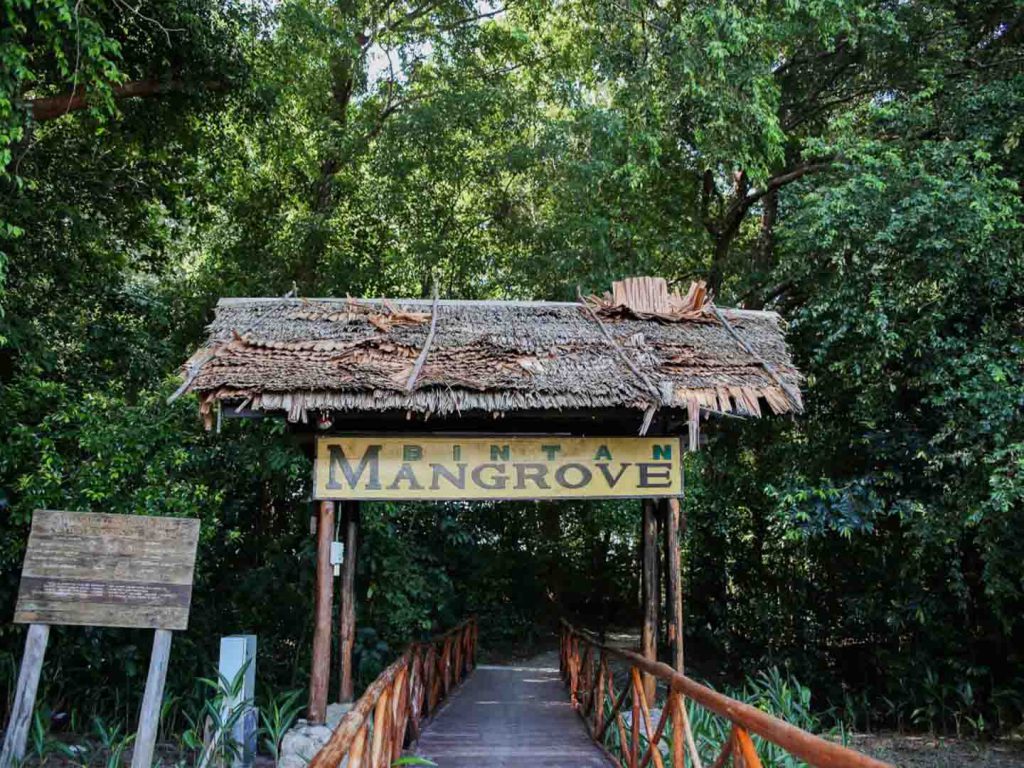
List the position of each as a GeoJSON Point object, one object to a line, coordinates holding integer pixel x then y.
{"type": "Point", "coordinates": [550, 451]}
{"type": "Point", "coordinates": [662, 452]}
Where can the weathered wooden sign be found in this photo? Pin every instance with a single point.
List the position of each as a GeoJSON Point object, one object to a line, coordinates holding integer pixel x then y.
{"type": "Point", "coordinates": [108, 570]}
{"type": "Point", "coordinates": [542, 467]}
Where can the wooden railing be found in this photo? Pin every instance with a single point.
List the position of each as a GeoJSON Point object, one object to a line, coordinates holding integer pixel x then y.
{"type": "Point", "coordinates": [373, 733]}
{"type": "Point", "coordinates": [586, 668]}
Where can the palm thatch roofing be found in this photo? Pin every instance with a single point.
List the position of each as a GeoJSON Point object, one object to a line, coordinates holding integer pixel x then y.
{"type": "Point", "coordinates": [639, 348]}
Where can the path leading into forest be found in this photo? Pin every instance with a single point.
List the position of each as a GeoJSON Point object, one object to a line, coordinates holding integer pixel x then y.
{"type": "Point", "coordinates": [510, 717]}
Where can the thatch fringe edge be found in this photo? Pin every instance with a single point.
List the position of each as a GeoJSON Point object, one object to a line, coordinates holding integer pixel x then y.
{"type": "Point", "coordinates": [740, 401]}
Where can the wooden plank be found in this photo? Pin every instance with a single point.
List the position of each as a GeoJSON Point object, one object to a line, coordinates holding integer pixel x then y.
{"type": "Point", "coordinates": [95, 569]}
{"type": "Point", "coordinates": [25, 696]}
{"type": "Point", "coordinates": [673, 514]}
{"type": "Point", "coordinates": [649, 629]}
{"type": "Point", "coordinates": [152, 700]}
{"type": "Point", "coordinates": [147, 617]}
{"type": "Point", "coordinates": [347, 620]}
{"type": "Point", "coordinates": [320, 672]}
{"type": "Point", "coordinates": [510, 716]}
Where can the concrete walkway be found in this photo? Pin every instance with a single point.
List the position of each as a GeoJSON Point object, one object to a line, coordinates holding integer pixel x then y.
{"type": "Point", "coordinates": [510, 717]}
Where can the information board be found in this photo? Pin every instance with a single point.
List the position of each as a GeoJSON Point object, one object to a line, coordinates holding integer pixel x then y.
{"type": "Point", "coordinates": [541, 467]}
{"type": "Point", "coordinates": [105, 570]}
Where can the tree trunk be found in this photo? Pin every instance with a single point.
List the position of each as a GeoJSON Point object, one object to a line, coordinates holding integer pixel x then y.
{"type": "Point", "coordinates": [716, 274]}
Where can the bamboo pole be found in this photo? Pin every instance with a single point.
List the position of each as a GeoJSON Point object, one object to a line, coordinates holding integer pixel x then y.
{"type": "Point", "coordinates": [320, 673]}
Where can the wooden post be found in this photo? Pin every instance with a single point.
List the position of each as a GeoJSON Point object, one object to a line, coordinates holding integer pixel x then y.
{"type": "Point", "coordinates": [347, 621]}
{"type": "Point", "coordinates": [675, 582]}
{"type": "Point", "coordinates": [320, 672]}
{"type": "Point", "coordinates": [663, 574]}
{"type": "Point", "coordinates": [649, 630]}
{"type": "Point", "coordinates": [25, 696]}
{"type": "Point", "coordinates": [152, 700]}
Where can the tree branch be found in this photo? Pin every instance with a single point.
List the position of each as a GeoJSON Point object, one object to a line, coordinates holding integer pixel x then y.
{"type": "Point", "coordinates": [780, 180]}
{"type": "Point", "coordinates": [52, 107]}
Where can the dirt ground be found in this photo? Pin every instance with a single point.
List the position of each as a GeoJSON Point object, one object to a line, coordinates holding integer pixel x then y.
{"type": "Point", "coordinates": [937, 752]}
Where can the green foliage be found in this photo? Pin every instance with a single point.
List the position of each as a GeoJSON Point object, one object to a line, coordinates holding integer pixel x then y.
{"type": "Point", "coordinates": [852, 165]}
{"type": "Point", "coordinates": [216, 720]}
{"type": "Point", "coordinates": [277, 715]}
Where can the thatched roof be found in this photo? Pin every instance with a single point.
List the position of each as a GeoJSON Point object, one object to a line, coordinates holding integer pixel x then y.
{"type": "Point", "coordinates": [639, 349]}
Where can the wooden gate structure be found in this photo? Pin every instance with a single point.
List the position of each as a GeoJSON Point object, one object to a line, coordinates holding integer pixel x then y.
{"type": "Point", "coordinates": [433, 399]}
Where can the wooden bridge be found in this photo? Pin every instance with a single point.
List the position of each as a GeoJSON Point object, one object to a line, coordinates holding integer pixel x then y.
{"type": "Point", "coordinates": [589, 708]}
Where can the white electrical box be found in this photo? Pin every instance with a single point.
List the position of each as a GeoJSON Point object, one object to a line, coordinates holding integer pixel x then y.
{"type": "Point", "coordinates": [337, 552]}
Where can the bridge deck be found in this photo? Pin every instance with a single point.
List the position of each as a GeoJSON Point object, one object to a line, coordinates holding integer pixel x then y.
{"type": "Point", "coordinates": [510, 717]}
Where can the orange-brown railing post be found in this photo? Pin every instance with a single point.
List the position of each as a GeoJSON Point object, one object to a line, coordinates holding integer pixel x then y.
{"type": "Point", "coordinates": [676, 704]}
{"type": "Point", "coordinates": [744, 718]}
{"type": "Point", "coordinates": [397, 702]}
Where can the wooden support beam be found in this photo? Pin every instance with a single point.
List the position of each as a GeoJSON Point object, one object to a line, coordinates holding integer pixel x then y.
{"type": "Point", "coordinates": [673, 514]}
{"type": "Point", "coordinates": [347, 620]}
{"type": "Point", "coordinates": [320, 669]}
{"type": "Point", "coordinates": [152, 701]}
{"type": "Point", "coordinates": [25, 696]}
{"type": "Point", "coordinates": [649, 630]}
{"type": "Point", "coordinates": [664, 585]}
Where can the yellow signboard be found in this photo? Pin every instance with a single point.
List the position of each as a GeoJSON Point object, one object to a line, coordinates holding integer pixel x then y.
{"type": "Point", "coordinates": [433, 468]}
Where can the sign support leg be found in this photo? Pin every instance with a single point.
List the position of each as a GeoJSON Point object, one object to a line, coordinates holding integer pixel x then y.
{"type": "Point", "coordinates": [649, 631]}
{"type": "Point", "coordinates": [320, 674]}
{"type": "Point", "coordinates": [675, 582]}
{"type": "Point", "coordinates": [347, 630]}
{"type": "Point", "coordinates": [25, 696]}
{"type": "Point", "coordinates": [152, 700]}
